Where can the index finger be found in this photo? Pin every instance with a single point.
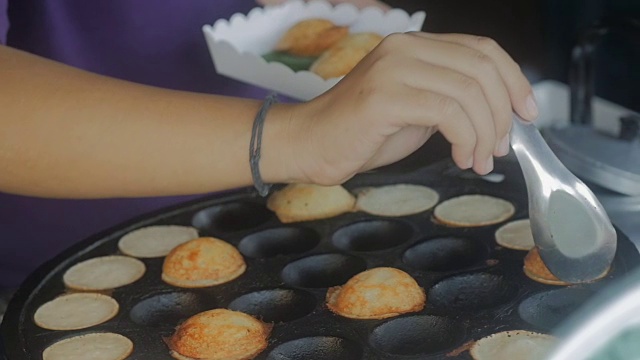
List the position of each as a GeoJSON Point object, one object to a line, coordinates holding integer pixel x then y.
{"type": "Point", "coordinates": [517, 85]}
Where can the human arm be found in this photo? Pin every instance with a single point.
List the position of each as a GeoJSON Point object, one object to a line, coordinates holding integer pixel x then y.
{"type": "Point", "coordinates": [69, 133]}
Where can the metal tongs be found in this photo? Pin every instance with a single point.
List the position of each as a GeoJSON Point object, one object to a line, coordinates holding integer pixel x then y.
{"type": "Point", "coordinates": [570, 227]}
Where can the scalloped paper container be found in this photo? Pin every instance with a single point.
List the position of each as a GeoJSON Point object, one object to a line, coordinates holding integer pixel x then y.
{"type": "Point", "coordinates": [237, 45]}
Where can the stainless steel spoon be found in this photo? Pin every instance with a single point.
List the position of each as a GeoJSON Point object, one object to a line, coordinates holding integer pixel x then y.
{"type": "Point", "coordinates": [570, 227]}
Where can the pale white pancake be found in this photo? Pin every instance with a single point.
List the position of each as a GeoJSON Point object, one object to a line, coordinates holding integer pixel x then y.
{"type": "Point", "coordinates": [104, 273]}
{"type": "Point", "coordinates": [396, 200]}
{"type": "Point", "coordinates": [98, 346]}
{"type": "Point", "coordinates": [473, 210]}
{"type": "Point", "coordinates": [305, 202]}
{"type": "Point", "coordinates": [513, 345]}
{"type": "Point", "coordinates": [76, 311]}
{"type": "Point", "coordinates": [155, 241]}
{"type": "Point", "coordinates": [516, 235]}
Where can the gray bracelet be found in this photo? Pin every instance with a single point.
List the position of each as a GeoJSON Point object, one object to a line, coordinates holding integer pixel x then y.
{"type": "Point", "coordinates": [256, 144]}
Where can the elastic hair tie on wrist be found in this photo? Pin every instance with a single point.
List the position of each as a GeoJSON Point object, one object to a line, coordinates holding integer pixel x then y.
{"type": "Point", "coordinates": [256, 144]}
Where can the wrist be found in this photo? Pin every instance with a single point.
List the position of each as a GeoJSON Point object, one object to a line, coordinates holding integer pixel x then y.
{"type": "Point", "coordinates": [279, 146]}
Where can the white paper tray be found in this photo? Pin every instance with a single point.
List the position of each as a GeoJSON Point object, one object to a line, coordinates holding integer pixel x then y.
{"type": "Point", "coordinates": [237, 45]}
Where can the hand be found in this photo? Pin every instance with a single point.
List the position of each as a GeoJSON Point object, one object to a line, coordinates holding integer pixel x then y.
{"type": "Point", "coordinates": [407, 88]}
{"type": "Point", "coordinates": [358, 3]}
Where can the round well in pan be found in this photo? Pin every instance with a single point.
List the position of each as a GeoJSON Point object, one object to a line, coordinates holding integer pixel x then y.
{"type": "Point", "coordinates": [471, 292]}
{"type": "Point", "coordinates": [547, 309]}
{"type": "Point", "coordinates": [372, 235]}
{"type": "Point", "coordinates": [278, 241]}
{"type": "Point", "coordinates": [168, 309]}
{"type": "Point", "coordinates": [317, 348]}
{"type": "Point", "coordinates": [276, 305]}
{"type": "Point", "coordinates": [231, 217]}
{"type": "Point", "coordinates": [445, 254]}
{"type": "Point", "coordinates": [417, 335]}
{"type": "Point", "coordinates": [321, 271]}
{"type": "Point", "coordinates": [24, 340]}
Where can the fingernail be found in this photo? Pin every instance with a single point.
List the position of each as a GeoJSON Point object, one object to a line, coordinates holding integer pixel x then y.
{"type": "Point", "coordinates": [469, 163]}
{"type": "Point", "coordinates": [503, 146]}
{"type": "Point", "coordinates": [532, 108]}
{"type": "Point", "coordinates": [489, 165]}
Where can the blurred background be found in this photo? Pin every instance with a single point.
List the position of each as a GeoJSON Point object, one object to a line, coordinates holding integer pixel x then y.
{"type": "Point", "coordinates": [539, 34]}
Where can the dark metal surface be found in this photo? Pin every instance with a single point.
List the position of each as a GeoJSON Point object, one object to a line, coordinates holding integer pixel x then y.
{"type": "Point", "coordinates": [476, 290]}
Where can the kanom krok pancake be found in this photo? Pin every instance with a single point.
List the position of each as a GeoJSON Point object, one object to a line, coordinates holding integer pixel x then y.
{"type": "Point", "coordinates": [396, 200]}
{"type": "Point", "coordinates": [513, 345]}
{"type": "Point", "coordinates": [377, 294]}
{"type": "Point", "coordinates": [76, 311]}
{"type": "Point", "coordinates": [202, 262]}
{"type": "Point", "coordinates": [155, 241]}
{"type": "Point", "coordinates": [304, 202]}
{"type": "Point", "coordinates": [342, 57]}
{"type": "Point", "coordinates": [97, 346]}
{"type": "Point", "coordinates": [311, 37]}
{"type": "Point", "coordinates": [516, 235]}
{"type": "Point", "coordinates": [536, 270]}
{"type": "Point", "coordinates": [473, 210]}
{"type": "Point", "coordinates": [219, 334]}
{"type": "Point", "coordinates": [104, 273]}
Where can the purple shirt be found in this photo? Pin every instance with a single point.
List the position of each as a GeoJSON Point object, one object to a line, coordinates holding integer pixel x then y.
{"type": "Point", "coordinates": [154, 42]}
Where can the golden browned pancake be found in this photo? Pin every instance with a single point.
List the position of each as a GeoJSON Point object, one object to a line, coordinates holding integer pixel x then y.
{"type": "Point", "coordinates": [377, 294]}
{"type": "Point", "coordinates": [516, 235]}
{"type": "Point", "coordinates": [311, 37]}
{"type": "Point", "coordinates": [202, 262]}
{"type": "Point", "coordinates": [341, 58]}
{"type": "Point", "coordinates": [155, 241]}
{"type": "Point", "coordinates": [97, 346]}
{"type": "Point", "coordinates": [305, 202]}
{"type": "Point", "coordinates": [513, 345]}
{"type": "Point", "coordinates": [104, 273]}
{"type": "Point", "coordinates": [396, 200]}
{"type": "Point", "coordinates": [219, 334]}
{"type": "Point", "coordinates": [473, 210]}
{"type": "Point", "coordinates": [76, 311]}
{"type": "Point", "coordinates": [536, 270]}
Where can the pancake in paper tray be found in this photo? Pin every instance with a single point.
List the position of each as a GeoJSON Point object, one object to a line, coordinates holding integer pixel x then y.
{"type": "Point", "coordinates": [237, 44]}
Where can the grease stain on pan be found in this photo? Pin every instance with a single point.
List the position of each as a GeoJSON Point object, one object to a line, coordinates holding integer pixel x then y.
{"type": "Point", "coordinates": [275, 305]}
{"type": "Point", "coordinates": [322, 271]}
{"type": "Point", "coordinates": [445, 254]}
{"type": "Point", "coordinates": [317, 348]}
{"type": "Point", "coordinates": [417, 335]}
{"type": "Point", "coordinates": [168, 309]}
{"type": "Point", "coordinates": [372, 235]}
{"type": "Point", "coordinates": [471, 292]}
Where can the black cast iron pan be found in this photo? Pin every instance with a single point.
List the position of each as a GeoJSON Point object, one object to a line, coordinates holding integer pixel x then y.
{"type": "Point", "coordinates": [474, 287]}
